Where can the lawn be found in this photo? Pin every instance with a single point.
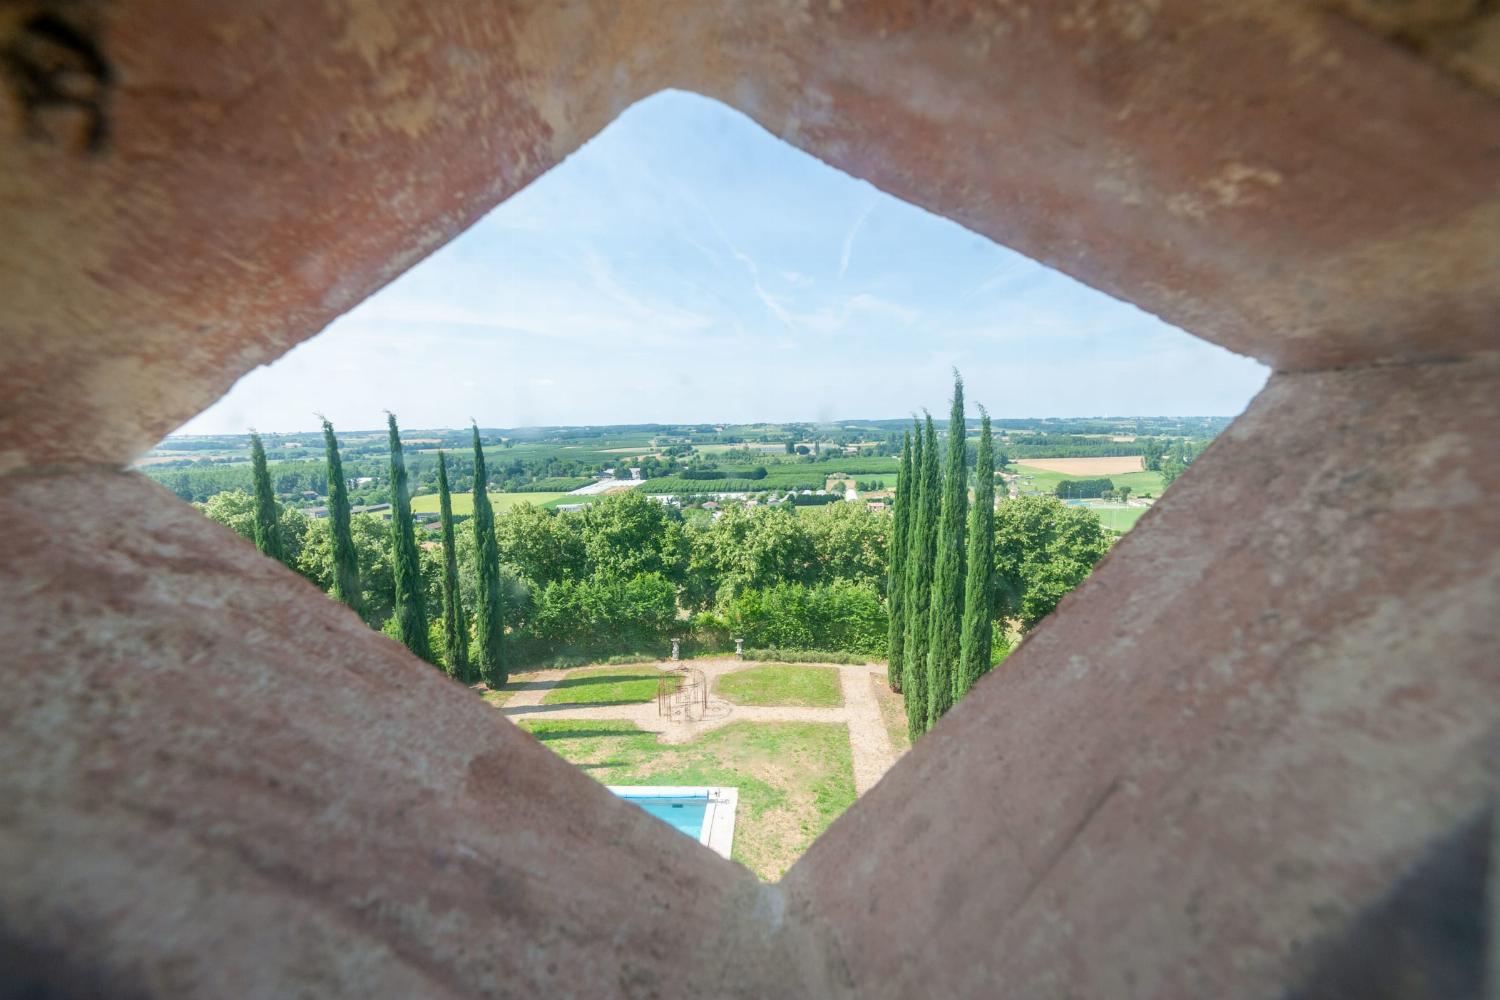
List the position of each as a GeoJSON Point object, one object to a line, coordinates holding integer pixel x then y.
{"type": "Point", "coordinates": [463, 503]}
{"type": "Point", "coordinates": [892, 713]}
{"type": "Point", "coordinates": [1119, 519]}
{"type": "Point", "coordinates": [608, 686]}
{"type": "Point", "coordinates": [497, 698]}
{"type": "Point", "coordinates": [801, 686]}
{"type": "Point", "coordinates": [794, 778]}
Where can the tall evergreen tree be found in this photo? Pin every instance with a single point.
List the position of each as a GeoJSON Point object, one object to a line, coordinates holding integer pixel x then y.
{"type": "Point", "coordinates": [267, 514]}
{"type": "Point", "coordinates": [946, 618]}
{"type": "Point", "coordinates": [455, 627]}
{"type": "Point", "coordinates": [411, 594]}
{"type": "Point", "coordinates": [895, 588]}
{"type": "Point", "coordinates": [921, 549]}
{"type": "Point", "coordinates": [346, 586]}
{"type": "Point", "coordinates": [979, 589]}
{"type": "Point", "coordinates": [487, 615]}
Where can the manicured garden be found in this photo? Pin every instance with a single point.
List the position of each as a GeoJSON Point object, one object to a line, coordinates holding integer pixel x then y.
{"type": "Point", "coordinates": [794, 778]}
{"type": "Point", "coordinates": [794, 685]}
{"type": "Point", "coordinates": [609, 686]}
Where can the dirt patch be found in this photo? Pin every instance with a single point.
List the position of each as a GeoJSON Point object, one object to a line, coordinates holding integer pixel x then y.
{"type": "Point", "coordinates": [1109, 466]}
{"type": "Point", "coordinates": [892, 713]}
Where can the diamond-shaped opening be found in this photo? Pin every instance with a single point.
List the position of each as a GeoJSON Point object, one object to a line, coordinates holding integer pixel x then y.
{"type": "Point", "coordinates": [689, 310]}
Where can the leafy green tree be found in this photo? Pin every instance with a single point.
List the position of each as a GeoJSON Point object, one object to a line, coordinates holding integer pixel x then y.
{"type": "Point", "coordinates": [489, 621]}
{"type": "Point", "coordinates": [628, 534]}
{"type": "Point", "coordinates": [1043, 549]}
{"type": "Point", "coordinates": [267, 531]}
{"type": "Point", "coordinates": [979, 597]}
{"type": "Point", "coordinates": [895, 590]}
{"type": "Point", "coordinates": [411, 599]}
{"type": "Point", "coordinates": [236, 510]}
{"type": "Point", "coordinates": [849, 542]}
{"type": "Point", "coordinates": [346, 586]}
{"type": "Point", "coordinates": [921, 550]}
{"type": "Point", "coordinates": [946, 616]}
{"type": "Point", "coordinates": [839, 616]}
{"type": "Point", "coordinates": [371, 539]}
{"type": "Point", "coordinates": [541, 545]}
{"type": "Point", "coordinates": [455, 629]}
{"type": "Point", "coordinates": [748, 549]}
{"type": "Point", "coordinates": [605, 613]}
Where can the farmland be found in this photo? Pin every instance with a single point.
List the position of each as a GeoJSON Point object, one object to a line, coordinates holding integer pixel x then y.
{"type": "Point", "coordinates": [1085, 467]}
{"type": "Point", "coordinates": [1034, 480]}
{"type": "Point", "coordinates": [540, 466]}
{"type": "Point", "coordinates": [463, 503]}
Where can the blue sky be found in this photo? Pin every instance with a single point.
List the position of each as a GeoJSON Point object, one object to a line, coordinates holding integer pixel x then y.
{"type": "Point", "coordinates": [685, 265]}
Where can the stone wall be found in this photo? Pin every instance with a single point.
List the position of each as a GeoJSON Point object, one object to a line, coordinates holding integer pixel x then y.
{"type": "Point", "coordinates": [1221, 770]}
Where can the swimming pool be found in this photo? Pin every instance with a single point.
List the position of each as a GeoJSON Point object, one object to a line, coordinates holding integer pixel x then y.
{"type": "Point", "coordinates": [702, 812]}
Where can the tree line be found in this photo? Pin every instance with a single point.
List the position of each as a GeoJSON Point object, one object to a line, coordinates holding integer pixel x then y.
{"type": "Point", "coordinates": [409, 599]}
{"type": "Point", "coordinates": [478, 597]}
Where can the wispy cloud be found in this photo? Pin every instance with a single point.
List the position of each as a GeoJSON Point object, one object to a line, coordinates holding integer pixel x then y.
{"type": "Point", "coordinates": [721, 274]}
{"type": "Point", "coordinates": [849, 237]}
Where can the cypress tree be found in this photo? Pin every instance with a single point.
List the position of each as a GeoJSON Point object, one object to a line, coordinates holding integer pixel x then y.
{"type": "Point", "coordinates": [895, 587]}
{"type": "Point", "coordinates": [946, 617]}
{"type": "Point", "coordinates": [979, 590]}
{"type": "Point", "coordinates": [411, 604]}
{"type": "Point", "coordinates": [921, 548]}
{"type": "Point", "coordinates": [267, 525]}
{"type": "Point", "coordinates": [488, 622]}
{"type": "Point", "coordinates": [455, 630]}
{"type": "Point", "coordinates": [346, 586]}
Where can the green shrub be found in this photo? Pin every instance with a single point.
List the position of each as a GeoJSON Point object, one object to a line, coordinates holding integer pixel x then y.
{"type": "Point", "coordinates": [607, 613]}
{"type": "Point", "coordinates": [806, 656]}
{"type": "Point", "coordinates": [841, 615]}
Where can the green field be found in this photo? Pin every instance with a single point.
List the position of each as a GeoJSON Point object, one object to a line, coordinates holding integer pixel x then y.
{"type": "Point", "coordinates": [794, 778]}
{"type": "Point", "coordinates": [1045, 480]}
{"type": "Point", "coordinates": [809, 687]}
{"type": "Point", "coordinates": [463, 503]}
{"type": "Point", "coordinates": [1118, 519]}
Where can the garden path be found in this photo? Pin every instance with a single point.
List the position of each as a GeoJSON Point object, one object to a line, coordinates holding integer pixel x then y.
{"type": "Point", "coordinates": [869, 744]}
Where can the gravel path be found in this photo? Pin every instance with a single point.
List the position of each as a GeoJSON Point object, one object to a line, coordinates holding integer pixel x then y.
{"type": "Point", "coordinates": [869, 744]}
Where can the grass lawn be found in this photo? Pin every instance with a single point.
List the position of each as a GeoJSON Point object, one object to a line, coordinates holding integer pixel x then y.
{"type": "Point", "coordinates": [496, 698]}
{"type": "Point", "coordinates": [463, 503]}
{"type": "Point", "coordinates": [892, 713]}
{"type": "Point", "coordinates": [808, 687]}
{"type": "Point", "coordinates": [794, 777]}
{"type": "Point", "coordinates": [607, 686]}
{"type": "Point", "coordinates": [1119, 519]}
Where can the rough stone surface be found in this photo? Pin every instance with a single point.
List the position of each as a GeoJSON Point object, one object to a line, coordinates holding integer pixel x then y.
{"type": "Point", "coordinates": [1227, 744]}
{"type": "Point", "coordinates": [1219, 770]}
{"type": "Point", "coordinates": [217, 781]}
{"type": "Point", "coordinates": [1268, 174]}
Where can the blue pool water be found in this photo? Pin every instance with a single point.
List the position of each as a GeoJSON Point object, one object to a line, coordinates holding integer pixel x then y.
{"type": "Point", "coordinates": [684, 813]}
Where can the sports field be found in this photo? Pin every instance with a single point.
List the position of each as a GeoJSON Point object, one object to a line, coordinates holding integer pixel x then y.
{"type": "Point", "coordinates": [1118, 519]}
